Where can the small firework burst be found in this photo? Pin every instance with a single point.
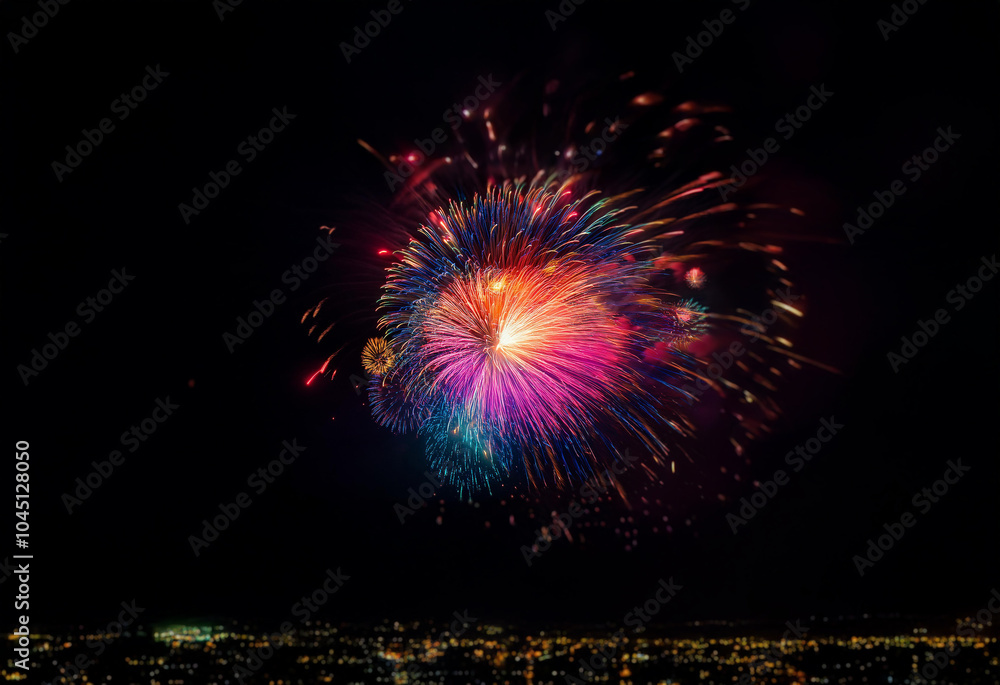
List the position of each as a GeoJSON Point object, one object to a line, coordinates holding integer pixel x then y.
{"type": "Point", "coordinates": [695, 278]}
{"type": "Point", "coordinates": [377, 357]}
{"type": "Point", "coordinates": [692, 321]}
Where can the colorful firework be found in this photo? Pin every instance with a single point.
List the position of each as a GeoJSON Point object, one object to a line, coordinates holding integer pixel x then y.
{"type": "Point", "coordinates": [535, 326]}
{"type": "Point", "coordinates": [520, 321]}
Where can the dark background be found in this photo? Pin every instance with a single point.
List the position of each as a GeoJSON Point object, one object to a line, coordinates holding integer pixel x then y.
{"type": "Point", "coordinates": [334, 506]}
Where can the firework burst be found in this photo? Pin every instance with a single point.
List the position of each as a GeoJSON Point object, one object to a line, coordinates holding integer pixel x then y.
{"type": "Point", "coordinates": [546, 315]}
{"type": "Point", "coordinates": [376, 357]}
{"type": "Point", "coordinates": [520, 320]}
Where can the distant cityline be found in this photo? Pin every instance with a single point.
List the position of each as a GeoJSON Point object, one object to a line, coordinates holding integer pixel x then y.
{"type": "Point", "coordinates": [464, 646]}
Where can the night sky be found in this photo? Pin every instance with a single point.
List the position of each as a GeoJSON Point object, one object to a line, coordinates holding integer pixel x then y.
{"type": "Point", "coordinates": [65, 235]}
